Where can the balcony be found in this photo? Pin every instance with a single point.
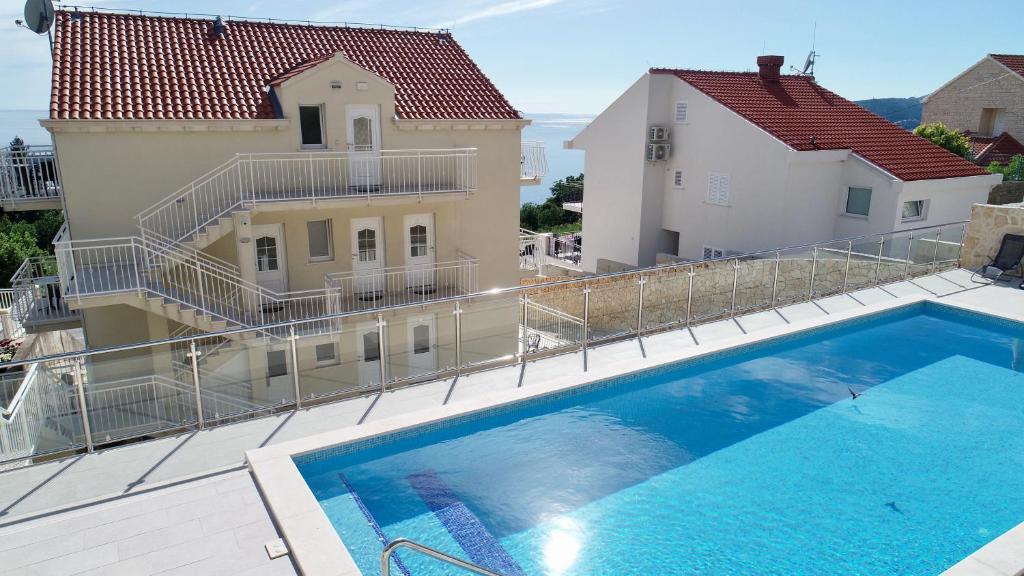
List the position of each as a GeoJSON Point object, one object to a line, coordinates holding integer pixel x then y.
{"type": "Point", "coordinates": [533, 164]}
{"type": "Point", "coordinates": [37, 299]}
{"type": "Point", "coordinates": [396, 285]}
{"type": "Point", "coordinates": [537, 250]}
{"type": "Point", "coordinates": [29, 179]}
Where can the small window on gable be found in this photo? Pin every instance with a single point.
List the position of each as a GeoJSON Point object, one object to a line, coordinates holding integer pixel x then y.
{"type": "Point", "coordinates": [718, 188]}
{"type": "Point", "coordinates": [679, 112]}
{"type": "Point", "coordinates": [677, 178]}
{"type": "Point", "coordinates": [311, 126]}
{"type": "Point", "coordinates": [858, 201]}
{"type": "Point", "coordinates": [711, 252]}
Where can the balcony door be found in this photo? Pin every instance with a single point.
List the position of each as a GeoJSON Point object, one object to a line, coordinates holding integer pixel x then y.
{"type": "Point", "coordinates": [271, 259]}
{"type": "Point", "coordinates": [421, 332]}
{"type": "Point", "coordinates": [419, 253]}
{"type": "Point", "coordinates": [364, 164]}
{"type": "Point", "coordinates": [368, 257]}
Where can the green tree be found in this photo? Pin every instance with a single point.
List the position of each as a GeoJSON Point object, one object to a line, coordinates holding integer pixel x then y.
{"type": "Point", "coordinates": [1012, 171]}
{"type": "Point", "coordinates": [17, 242]}
{"type": "Point", "coordinates": [953, 140]}
{"type": "Point", "coordinates": [550, 216]}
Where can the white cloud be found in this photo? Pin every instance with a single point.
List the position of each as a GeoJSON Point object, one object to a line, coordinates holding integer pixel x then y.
{"type": "Point", "coordinates": [502, 9]}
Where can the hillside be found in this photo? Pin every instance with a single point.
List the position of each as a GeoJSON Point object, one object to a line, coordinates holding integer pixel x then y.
{"type": "Point", "coordinates": [905, 112]}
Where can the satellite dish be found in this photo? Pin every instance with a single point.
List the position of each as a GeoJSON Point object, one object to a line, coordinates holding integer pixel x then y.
{"type": "Point", "coordinates": [39, 15]}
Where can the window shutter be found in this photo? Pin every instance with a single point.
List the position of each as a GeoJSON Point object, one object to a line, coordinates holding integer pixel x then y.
{"type": "Point", "coordinates": [718, 188]}
{"type": "Point", "coordinates": [680, 111]}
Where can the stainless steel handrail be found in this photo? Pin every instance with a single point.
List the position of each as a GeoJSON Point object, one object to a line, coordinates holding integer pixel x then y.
{"type": "Point", "coordinates": [385, 557]}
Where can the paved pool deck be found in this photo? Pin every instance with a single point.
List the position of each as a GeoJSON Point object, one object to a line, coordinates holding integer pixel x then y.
{"type": "Point", "coordinates": [187, 504]}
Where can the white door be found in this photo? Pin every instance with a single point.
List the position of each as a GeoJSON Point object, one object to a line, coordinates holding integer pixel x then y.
{"type": "Point", "coordinates": [419, 253]}
{"type": "Point", "coordinates": [363, 129]}
{"type": "Point", "coordinates": [368, 350]}
{"type": "Point", "coordinates": [271, 263]}
{"type": "Point", "coordinates": [421, 334]}
{"type": "Point", "coordinates": [368, 256]}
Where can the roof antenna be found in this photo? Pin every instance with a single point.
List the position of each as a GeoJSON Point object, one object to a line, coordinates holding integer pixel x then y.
{"type": "Point", "coordinates": [808, 69]}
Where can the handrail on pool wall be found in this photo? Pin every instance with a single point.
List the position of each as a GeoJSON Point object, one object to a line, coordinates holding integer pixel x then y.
{"type": "Point", "coordinates": [385, 557]}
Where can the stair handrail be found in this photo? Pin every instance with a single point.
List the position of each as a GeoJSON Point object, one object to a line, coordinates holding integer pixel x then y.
{"type": "Point", "coordinates": [385, 557]}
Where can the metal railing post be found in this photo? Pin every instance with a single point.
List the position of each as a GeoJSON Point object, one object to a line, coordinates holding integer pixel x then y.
{"type": "Point", "coordinates": [775, 282]}
{"type": "Point", "coordinates": [910, 251]}
{"type": "Point", "coordinates": [458, 337]}
{"type": "Point", "coordinates": [586, 323]}
{"type": "Point", "coordinates": [640, 306]}
{"type": "Point", "coordinates": [878, 263]}
{"type": "Point", "coordinates": [526, 324]}
{"type": "Point", "coordinates": [846, 274]}
{"type": "Point", "coordinates": [380, 353]}
{"type": "Point", "coordinates": [689, 295]}
{"type": "Point", "coordinates": [960, 248]}
{"type": "Point", "coordinates": [83, 408]}
{"type": "Point", "coordinates": [194, 355]}
{"type": "Point", "coordinates": [814, 267]}
{"type": "Point", "coordinates": [735, 280]}
{"type": "Point", "coordinates": [935, 252]}
{"type": "Point", "coordinates": [292, 339]}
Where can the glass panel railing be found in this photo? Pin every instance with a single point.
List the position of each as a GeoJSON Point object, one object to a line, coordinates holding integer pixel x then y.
{"type": "Point", "coordinates": [40, 410]}
{"type": "Point", "coordinates": [137, 393]}
{"type": "Point", "coordinates": [614, 306]}
{"type": "Point", "coordinates": [892, 267]}
{"type": "Point", "coordinates": [712, 291]}
{"type": "Point", "coordinates": [339, 362]}
{"type": "Point", "coordinates": [794, 283]}
{"type": "Point", "coordinates": [828, 267]}
{"type": "Point", "coordinates": [864, 263]}
{"type": "Point", "coordinates": [234, 375]}
{"type": "Point", "coordinates": [552, 319]}
{"type": "Point", "coordinates": [490, 329]}
{"type": "Point", "coordinates": [755, 276]}
{"type": "Point", "coordinates": [665, 298]}
{"type": "Point", "coordinates": [421, 342]}
{"type": "Point", "coordinates": [947, 251]}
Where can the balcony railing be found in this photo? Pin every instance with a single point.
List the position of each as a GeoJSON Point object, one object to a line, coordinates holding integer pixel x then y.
{"type": "Point", "coordinates": [250, 179]}
{"type": "Point", "coordinates": [37, 297]}
{"type": "Point", "coordinates": [533, 164]}
{"type": "Point", "coordinates": [470, 332]}
{"type": "Point", "coordinates": [367, 289]}
{"type": "Point", "coordinates": [28, 174]}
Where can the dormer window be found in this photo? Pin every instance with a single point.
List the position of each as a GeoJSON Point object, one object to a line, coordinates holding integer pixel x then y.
{"type": "Point", "coordinates": [311, 126]}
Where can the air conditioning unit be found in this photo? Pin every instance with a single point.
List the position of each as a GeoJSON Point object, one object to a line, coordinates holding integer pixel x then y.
{"type": "Point", "coordinates": [658, 152]}
{"type": "Point", "coordinates": [657, 134]}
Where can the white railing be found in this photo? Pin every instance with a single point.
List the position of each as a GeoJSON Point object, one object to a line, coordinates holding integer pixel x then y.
{"type": "Point", "coordinates": [36, 399]}
{"type": "Point", "coordinates": [545, 327]}
{"type": "Point", "coordinates": [567, 249]}
{"type": "Point", "coordinates": [248, 179]}
{"type": "Point", "coordinates": [532, 249]}
{"type": "Point", "coordinates": [28, 173]}
{"type": "Point", "coordinates": [367, 289]}
{"type": "Point", "coordinates": [533, 164]}
{"type": "Point", "coordinates": [38, 298]}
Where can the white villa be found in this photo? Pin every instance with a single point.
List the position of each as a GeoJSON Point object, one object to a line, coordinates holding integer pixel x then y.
{"type": "Point", "coordinates": [697, 164]}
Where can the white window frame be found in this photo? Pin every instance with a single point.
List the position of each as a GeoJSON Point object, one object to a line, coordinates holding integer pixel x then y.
{"type": "Point", "coordinates": [330, 242]}
{"type": "Point", "coordinates": [678, 179]}
{"type": "Point", "coordinates": [715, 197]}
{"type": "Point", "coordinates": [922, 216]}
{"type": "Point", "coordinates": [705, 249]}
{"type": "Point", "coordinates": [327, 362]}
{"type": "Point", "coordinates": [846, 202]}
{"type": "Point", "coordinates": [323, 128]}
{"type": "Point", "coordinates": [676, 107]}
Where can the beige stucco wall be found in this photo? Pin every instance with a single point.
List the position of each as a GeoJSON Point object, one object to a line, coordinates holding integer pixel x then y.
{"type": "Point", "coordinates": [985, 232]}
{"type": "Point", "coordinates": [987, 84]}
{"type": "Point", "coordinates": [112, 170]}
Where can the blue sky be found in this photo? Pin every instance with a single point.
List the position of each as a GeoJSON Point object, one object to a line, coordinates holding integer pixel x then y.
{"type": "Point", "coordinates": [576, 56]}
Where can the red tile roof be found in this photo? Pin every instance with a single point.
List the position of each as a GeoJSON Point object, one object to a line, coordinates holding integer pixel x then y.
{"type": "Point", "coordinates": [1014, 62]}
{"type": "Point", "coordinates": [806, 116]}
{"type": "Point", "coordinates": [129, 66]}
{"type": "Point", "coordinates": [1000, 148]}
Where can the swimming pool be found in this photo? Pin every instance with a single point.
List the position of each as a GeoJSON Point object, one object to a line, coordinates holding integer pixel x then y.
{"type": "Point", "coordinates": [751, 461]}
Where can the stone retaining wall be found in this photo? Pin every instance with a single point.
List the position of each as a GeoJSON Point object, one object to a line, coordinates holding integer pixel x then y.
{"type": "Point", "coordinates": [985, 232]}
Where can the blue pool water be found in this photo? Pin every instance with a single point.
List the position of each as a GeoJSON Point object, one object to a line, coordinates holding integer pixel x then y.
{"type": "Point", "coordinates": [752, 462]}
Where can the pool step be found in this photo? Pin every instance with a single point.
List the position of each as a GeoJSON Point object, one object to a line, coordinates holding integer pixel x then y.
{"type": "Point", "coordinates": [381, 536]}
{"type": "Point", "coordinates": [479, 544]}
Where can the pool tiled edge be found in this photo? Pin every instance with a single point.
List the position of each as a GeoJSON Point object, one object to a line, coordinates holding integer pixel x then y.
{"type": "Point", "coordinates": [314, 544]}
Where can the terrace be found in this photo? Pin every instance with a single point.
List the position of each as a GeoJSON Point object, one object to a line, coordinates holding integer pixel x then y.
{"type": "Point", "coordinates": [29, 178]}
{"type": "Point", "coordinates": [173, 480]}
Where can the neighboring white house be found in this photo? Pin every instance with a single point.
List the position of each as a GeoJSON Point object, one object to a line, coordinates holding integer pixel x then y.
{"type": "Point", "coordinates": [702, 164]}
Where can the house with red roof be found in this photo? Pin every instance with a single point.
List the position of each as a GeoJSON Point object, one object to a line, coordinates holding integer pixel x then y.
{"type": "Point", "coordinates": [693, 164]}
{"type": "Point", "coordinates": [987, 102]}
{"type": "Point", "coordinates": [229, 173]}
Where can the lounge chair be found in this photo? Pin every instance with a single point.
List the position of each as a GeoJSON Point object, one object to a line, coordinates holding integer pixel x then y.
{"type": "Point", "coordinates": [1009, 257]}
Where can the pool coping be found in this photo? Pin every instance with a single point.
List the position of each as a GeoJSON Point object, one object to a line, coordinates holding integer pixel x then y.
{"type": "Point", "coordinates": [313, 542]}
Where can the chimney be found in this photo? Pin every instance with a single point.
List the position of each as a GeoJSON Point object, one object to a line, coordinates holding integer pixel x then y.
{"type": "Point", "coordinates": [219, 29]}
{"type": "Point", "coordinates": [768, 68]}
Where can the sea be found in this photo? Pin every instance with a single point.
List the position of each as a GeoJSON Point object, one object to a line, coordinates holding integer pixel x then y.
{"type": "Point", "coordinates": [552, 129]}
